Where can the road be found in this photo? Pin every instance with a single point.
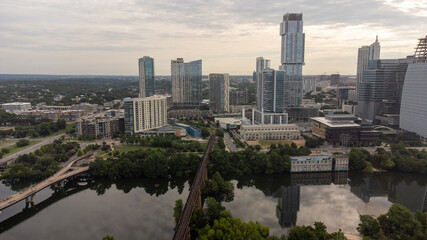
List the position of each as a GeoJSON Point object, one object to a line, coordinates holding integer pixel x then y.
{"type": "Point", "coordinates": [229, 142]}
{"type": "Point", "coordinates": [29, 149]}
{"type": "Point", "coordinates": [7, 145]}
{"type": "Point", "coordinates": [64, 173]}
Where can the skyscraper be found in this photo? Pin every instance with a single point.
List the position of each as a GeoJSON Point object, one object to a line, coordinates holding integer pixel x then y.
{"type": "Point", "coordinates": [292, 57]}
{"type": "Point", "coordinates": [261, 64]}
{"type": "Point", "coordinates": [335, 79]}
{"type": "Point", "coordinates": [380, 91]}
{"type": "Point", "coordinates": [413, 111]}
{"type": "Point", "coordinates": [219, 88]}
{"type": "Point", "coordinates": [146, 77]}
{"type": "Point", "coordinates": [273, 82]}
{"type": "Point", "coordinates": [365, 54]}
{"type": "Point", "coordinates": [186, 83]}
{"type": "Point", "coordinates": [142, 114]}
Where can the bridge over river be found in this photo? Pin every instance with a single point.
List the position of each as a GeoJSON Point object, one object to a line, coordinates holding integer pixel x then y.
{"type": "Point", "coordinates": [58, 179]}
{"type": "Point", "coordinates": [182, 229]}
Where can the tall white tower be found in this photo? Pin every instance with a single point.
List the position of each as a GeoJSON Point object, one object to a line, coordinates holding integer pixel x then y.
{"type": "Point", "coordinates": [292, 57]}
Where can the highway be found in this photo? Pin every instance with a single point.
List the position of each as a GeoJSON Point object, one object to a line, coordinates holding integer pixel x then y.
{"type": "Point", "coordinates": [29, 149]}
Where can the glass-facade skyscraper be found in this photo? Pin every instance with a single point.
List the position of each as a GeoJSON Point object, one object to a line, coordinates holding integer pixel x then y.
{"type": "Point", "coordinates": [273, 82]}
{"type": "Point", "coordinates": [146, 77]}
{"type": "Point", "coordinates": [364, 55]}
{"type": "Point", "coordinates": [186, 83]}
{"type": "Point", "coordinates": [292, 57]}
{"type": "Point", "coordinates": [380, 92]}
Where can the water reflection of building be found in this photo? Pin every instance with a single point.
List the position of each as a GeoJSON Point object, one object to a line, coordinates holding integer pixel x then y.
{"type": "Point", "coordinates": [289, 196]}
{"type": "Point", "coordinates": [288, 205]}
{"type": "Point", "coordinates": [411, 195]}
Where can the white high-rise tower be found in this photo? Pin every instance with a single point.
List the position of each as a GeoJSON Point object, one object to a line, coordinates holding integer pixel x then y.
{"type": "Point", "coordinates": [292, 57]}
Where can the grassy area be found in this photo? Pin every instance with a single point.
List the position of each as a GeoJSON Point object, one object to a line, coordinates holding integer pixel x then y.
{"type": "Point", "coordinates": [204, 145]}
{"type": "Point", "coordinates": [128, 148]}
{"type": "Point", "coordinates": [14, 149]}
{"type": "Point", "coordinates": [267, 143]}
{"type": "Point", "coordinates": [6, 142]}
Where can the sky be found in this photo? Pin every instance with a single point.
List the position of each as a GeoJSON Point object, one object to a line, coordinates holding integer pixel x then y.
{"type": "Point", "coordinates": [106, 37]}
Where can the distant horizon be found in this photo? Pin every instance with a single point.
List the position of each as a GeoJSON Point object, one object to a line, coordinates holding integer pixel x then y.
{"type": "Point", "coordinates": [108, 37]}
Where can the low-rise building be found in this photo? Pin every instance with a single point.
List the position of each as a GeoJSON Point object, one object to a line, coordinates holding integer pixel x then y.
{"type": "Point", "coordinates": [16, 106]}
{"type": "Point", "coordinates": [54, 115]}
{"type": "Point", "coordinates": [341, 163]}
{"type": "Point", "coordinates": [102, 126]}
{"type": "Point", "coordinates": [311, 164]}
{"type": "Point", "coordinates": [182, 114]}
{"type": "Point", "coordinates": [270, 132]}
{"type": "Point", "coordinates": [340, 129]}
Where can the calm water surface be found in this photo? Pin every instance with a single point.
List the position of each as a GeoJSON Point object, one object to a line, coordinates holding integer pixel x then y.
{"type": "Point", "coordinates": [141, 208]}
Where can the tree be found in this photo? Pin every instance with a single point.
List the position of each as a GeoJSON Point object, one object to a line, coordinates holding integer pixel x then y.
{"type": "Point", "coordinates": [219, 132]}
{"type": "Point", "coordinates": [5, 150]}
{"type": "Point", "coordinates": [23, 143]}
{"type": "Point", "coordinates": [108, 238]}
{"type": "Point", "coordinates": [369, 226]}
{"type": "Point", "coordinates": [399, 223]}
{"type": "Point", "coordinates": [177, 210]}
{"type": "Point", "coordinates": [155, 165]}
{"type": "Point", "coordinates": [205, 133]}
{"type": "Point", "coordinates": [219, 189]}
{"type": "Point", "coordinates": [302, 232]}
{"type": "Point", "coordinates": [100, 168]}
{"type": "Point", "coordinates": [357, 159]}
{"type": "Point", "coordinates": [257, 147]}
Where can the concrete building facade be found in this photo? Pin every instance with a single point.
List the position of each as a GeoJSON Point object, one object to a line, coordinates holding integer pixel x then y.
{"type": "Point", "coordinates": [219, 89]}
{"type": "Point", "coordinates": [270, 132]}
{"type": "Point", "coordinates": [142, 114]}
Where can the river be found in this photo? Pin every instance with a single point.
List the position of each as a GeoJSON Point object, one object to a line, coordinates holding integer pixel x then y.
{"type": "Point", "coordinates": [143, 208]}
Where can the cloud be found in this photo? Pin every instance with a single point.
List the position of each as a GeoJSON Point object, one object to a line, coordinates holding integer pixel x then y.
{"type": "Point", "coordinates": [227, 35]}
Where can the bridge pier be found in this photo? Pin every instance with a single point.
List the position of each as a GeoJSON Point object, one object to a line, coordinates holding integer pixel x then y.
{"type": "Point", "coordinates": [29, 201]}
{"type": "Point", "coordinates": [59, 185]}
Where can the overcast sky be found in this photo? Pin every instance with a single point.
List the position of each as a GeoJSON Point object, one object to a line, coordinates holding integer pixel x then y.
{"type": "Point", "coordinates": [108, 36]}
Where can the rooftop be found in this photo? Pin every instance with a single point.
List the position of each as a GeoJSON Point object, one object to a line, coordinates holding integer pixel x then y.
{"type": "Point", "coordinates": [331, 123]}
{"type": "Point", "coordinates": [311, 158]}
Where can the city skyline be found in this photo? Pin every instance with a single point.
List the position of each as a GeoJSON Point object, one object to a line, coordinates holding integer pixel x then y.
{"type": "Point", "coordinates": [68, 38]}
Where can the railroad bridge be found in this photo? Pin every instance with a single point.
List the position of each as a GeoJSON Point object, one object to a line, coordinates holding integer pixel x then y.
{"type": "Point", "coordinates": [194, 199]}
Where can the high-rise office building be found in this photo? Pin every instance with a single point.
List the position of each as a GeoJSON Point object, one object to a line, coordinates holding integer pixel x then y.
{"type": "Point", "coordinates": [261, 64]}
{"type": "Point", "coordinates": [273, 82]}
{"type": "Point", "coordinates": [239, 97]}
{"type": "Point", "coordinates": [413, 111]}
{"type": "Point", "coordinates": [309, 84]}
{"type": "Point", "coordinates": [146, 76]}
{"type": "Point", "coordinates": [292, 57]}
{"type": "Point", "coordinates": [142, 114]}
{"type": "Point", "coordinates": [186, 83]}
{"type": "Point", "coordinates": [365, 54]}
{"type": "Point", "coordinates": [219, 88]}
{"type": "Point", "coordinates": [335, 79]}
{"type": "Point", "coordinates": [380, 91]}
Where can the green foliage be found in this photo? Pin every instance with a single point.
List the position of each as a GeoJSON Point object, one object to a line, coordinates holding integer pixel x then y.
{"type": "Point", "coordinates": [228, 227]}
{"type": "Point", "coordinates": [399, 223]}
{"type": "Point", "coordinates": [319, 232]}
{"type": "Point", "coordinates": [205, 133]}
{"type": "Point", "coordinates": [219, 133]}
{"type": "Point", "coordinates": [369, 227]}
{"type": "Point", "coordinates": [5, 150]}
{"type": "Point", "coordinates": [358, 158]}
{"type": "Point", "coordinates": [155, 166]}
{"type": "Point", "coordinates": [148, 163]}
{"type": "Point", "coordinates": [219, 189]}
{"type": "Point", "coordinates": [221, 143]}
{"type": "Point", "coordinates": [177, 210]}
{"type": "Point", "coordinates": [23, 143]}
{"type": "Point", "coordinates": [100, 168]}
{"type": "Point", "coordinates": [108, 238]}
{"type": "Point", "coordinates": [368, 168]}
{"type": "Point", "coordinates": [249, 161]}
